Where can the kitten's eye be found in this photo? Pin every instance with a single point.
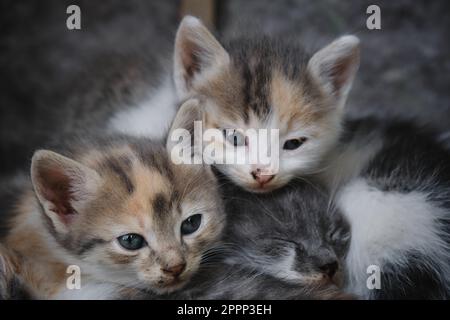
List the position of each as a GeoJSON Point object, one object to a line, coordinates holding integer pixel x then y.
{"type": "Point", "coordinates": [191, 224]}
{"type": "Point", "coordinates": [131, 241]}
{"type": "Point", "coordinates": [293, 144]}
{"type": "Point", "coordinates": [237, 139]}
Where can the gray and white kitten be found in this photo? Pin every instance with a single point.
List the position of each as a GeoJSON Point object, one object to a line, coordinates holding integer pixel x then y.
{"type": "Point", "coordinates": [392, 183]}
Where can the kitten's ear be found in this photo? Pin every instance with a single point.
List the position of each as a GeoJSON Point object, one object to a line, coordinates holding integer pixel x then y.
{"type": "Point", "coordinates": [63, 186]}
{"type": "Point", "coordinates": [335, 66]}
{"type": "Point", "coordinates": [182, 134]}
{"type": "Point", "coordinates": [183, 124]}
{"type": "Point", "coordinates": [196, 54]}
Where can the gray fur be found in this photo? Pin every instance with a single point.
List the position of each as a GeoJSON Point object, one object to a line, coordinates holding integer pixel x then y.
{"type": "Point", "coordinates": [263, 226]}
{"type": "Point", "coordinates": [234, 282]}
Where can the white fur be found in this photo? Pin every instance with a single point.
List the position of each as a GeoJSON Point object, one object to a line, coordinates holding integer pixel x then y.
{"type": "Point", "coordinates": [152, 117]}
{"type": "Point", "coordinates": [385, 227]}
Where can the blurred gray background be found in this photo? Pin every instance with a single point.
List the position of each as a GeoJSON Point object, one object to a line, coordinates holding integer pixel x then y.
{"type": "Point", "coordinates": [48, 73]}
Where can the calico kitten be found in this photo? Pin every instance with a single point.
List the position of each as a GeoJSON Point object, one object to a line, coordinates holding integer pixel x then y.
{"type": "Point", "coordinates": [392, 182]}
{"type": "Point", "coordinates": [284, 245]}
{"type": "Point", "coordinates": [263, 83]}
{"type": "Point", "coordinates": [119, 210]}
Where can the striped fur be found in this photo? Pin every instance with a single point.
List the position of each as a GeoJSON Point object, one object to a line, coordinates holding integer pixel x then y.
{"type": "Point", "coordinates": [82, 200]}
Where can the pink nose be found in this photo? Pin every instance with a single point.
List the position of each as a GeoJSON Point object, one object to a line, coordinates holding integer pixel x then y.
{"type": "Point", "coordinates": [260, 177]}
{"type": "Point", "coordinates": [175, 270]}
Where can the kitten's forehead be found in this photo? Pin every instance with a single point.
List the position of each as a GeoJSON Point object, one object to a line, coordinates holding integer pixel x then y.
{"type": "Point", "coordinates": [138, 184]}
{"type": "Point", "coordinates": [262, 86]}
{"type": "Point", "coordinates": [293, 106]}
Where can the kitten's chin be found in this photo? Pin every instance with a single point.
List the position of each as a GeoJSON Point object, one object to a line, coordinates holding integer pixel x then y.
{"type": "Point", "coordinates": [259, 189]}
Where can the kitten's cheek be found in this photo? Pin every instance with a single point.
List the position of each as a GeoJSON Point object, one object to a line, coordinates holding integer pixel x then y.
{"type": "Point", "coordinates": [149, 273]}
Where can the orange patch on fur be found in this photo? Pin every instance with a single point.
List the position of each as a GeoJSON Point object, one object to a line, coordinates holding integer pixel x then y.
{"type": "Point", "coordinates": [287, 99]}
{"type": "Point", "coordinates": [148, 183]}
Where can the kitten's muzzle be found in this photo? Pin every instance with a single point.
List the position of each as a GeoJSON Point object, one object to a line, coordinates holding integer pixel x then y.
{"type": "Point", "coordinates": [260, 177]}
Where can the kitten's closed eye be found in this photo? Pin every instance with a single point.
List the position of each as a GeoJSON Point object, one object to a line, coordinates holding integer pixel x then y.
{"type": "Point", "coordinates": [293, 144]}
{"type": "Point", "coordinates": [299, 247]}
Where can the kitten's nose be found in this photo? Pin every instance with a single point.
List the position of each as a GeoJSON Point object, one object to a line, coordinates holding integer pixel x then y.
{"type": "Point", "coordinates": [330, 268]}
{"type": "Point", "coordinates": [175, 270]}
{"type": "Point", "coordinates": [260, 177]}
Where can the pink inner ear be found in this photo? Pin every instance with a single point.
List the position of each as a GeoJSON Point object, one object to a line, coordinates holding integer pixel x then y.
{"type": "Point", "coordinates": [190, 60]}
{"type": "Point", "coordinates": [342, 70]}
{"type": "Point", "coordinates": [56, 188]}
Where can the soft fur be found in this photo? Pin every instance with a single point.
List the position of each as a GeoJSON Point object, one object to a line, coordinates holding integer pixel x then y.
{"type": "Point", "coordinates": [397, 201]}
{"type": "Point", "coordinates": [276, 246]}
{"type": "Point", "coordinates": [262, 84]}
{"type": "Point", "coordinates": [79, 203]}
{"type": "Point", "coordinates": [237, 282]}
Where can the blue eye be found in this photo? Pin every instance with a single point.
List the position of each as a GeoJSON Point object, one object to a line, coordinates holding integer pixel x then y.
{"type": "Point", "coordinates": [191, 224]}
{"type": "Point", "coordinates": [131, 241]}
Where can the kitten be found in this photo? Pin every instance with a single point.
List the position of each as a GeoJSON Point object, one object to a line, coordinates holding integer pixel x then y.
{"type": "Point", "coordinates": [284, 245]}
{"type": "Point", "coordinates": [392, 182]}
{"type": "Point", "coordinates": [119, 210]}
{"type": "Point", "coordinates": [292, 228]}
{"type": "Point", "coordinates": [263, 83]}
